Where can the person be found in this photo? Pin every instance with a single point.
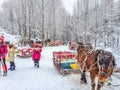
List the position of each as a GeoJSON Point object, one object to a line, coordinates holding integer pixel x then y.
{"type": "Point", "coordinates": [10, 56]}
{"type": "Point", "coordinates": [3, 52]}
{"type": "Point", "coordinates": [36, 56]}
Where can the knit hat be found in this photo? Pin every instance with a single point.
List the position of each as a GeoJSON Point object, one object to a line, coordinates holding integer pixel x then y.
{"type": "Point", "coordinates": [2, 39]}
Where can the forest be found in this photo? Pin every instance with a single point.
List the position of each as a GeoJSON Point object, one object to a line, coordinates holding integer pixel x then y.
{"type": "Point", "coordinates": [92, 21]}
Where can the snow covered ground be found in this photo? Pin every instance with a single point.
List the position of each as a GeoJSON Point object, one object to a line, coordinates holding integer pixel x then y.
{"type": "Point", "coordinates": [26, 77]}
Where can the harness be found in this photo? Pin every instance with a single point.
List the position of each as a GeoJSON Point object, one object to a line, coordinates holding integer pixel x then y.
{"type": "Point", "coordinates": [102, 72]}
{"type": "Point", "coordinates": [83, 64]}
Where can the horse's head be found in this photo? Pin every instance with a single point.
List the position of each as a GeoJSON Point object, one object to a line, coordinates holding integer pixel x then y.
{"type": "Point", "coordinates": [81, 52]}
{"type": "Point", "coordinates": [106, 63]}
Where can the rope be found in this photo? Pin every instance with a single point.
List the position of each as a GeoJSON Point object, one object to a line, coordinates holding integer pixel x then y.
{"type": "Point", "coordinates": [114, 85]}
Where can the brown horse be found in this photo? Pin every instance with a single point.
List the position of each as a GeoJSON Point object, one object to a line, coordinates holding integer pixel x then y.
{"type": "Point", "coordinates": [98, 63]}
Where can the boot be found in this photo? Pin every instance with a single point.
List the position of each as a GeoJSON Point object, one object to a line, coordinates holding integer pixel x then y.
{"type": "Point", "coordinates": [37, 65]}
{"type": "Point", "coordinates": [5, 73]}
{"type": "Point", "coordinates": [13, 68]}
{"type": "Point", "coordinates": [10, 67]}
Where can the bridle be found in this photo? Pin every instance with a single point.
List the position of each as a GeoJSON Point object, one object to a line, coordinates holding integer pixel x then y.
{"type": "Point", "coordinates": [103, 68]}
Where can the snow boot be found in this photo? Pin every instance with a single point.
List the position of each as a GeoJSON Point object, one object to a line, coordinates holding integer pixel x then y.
{"type": "Point", "coordinates": [5, 73]}
{"type": "Point", "coordinates": [10, 68]}
{"type": "Point", "coordinates": [4, 70]}
{"type": "Point", "coordinates": [13, 68]}
{"type": "Point", "coordinates": [37, 65]}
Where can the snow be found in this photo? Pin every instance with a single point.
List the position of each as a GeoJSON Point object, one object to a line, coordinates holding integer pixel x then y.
{"type": "Point", "coordinates": [10, 38]}
{"type": "Point", "coordinates": [26, 77]}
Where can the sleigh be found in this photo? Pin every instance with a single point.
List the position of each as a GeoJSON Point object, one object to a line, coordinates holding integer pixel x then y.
{"type": "Point", "coordinates": [36, 45]}
{"type": "Point", "coordinates": [56, 43]}
{"type": "Point", "coordinates": [65, 62]}
{"type": "Point", "coordinates": [25, 52]}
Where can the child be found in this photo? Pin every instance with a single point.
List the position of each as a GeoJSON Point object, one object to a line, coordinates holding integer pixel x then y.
{"type": "Point", "coordinates": [10, 56]}
{"type": "Point", "coordinates": [36, 56]}
{"type": "Point", "coordinates": [3, 52]}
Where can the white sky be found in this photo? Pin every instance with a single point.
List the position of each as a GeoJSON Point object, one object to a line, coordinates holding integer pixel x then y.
{"type": "Point", "coordinates": [1, 1]}
{"type": "Point", "coordinates": [69, 5]}
{"type": "Point", "coordinates": [116, 0]}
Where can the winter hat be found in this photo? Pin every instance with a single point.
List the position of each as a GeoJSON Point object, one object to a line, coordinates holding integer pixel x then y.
{"type": "Point", "coordinates": [11, 45]}
{"type": "Point", "coordinates": [2, 39]}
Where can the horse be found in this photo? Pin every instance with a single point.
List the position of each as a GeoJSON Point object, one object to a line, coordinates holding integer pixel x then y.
{"type": "Point", "coordinates": [98, 63]}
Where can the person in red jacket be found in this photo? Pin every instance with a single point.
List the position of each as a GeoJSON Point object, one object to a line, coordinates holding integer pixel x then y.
{"type": "Point", "coordinates": [3, 52]}
{"type": "Point", "coordinates": [36, 56]}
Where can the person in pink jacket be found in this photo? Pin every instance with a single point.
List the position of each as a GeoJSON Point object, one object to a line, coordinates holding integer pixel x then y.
{"type": "Point", "coordinates": [3, 52]}
{"type": "Point", "coordinates": [36, 56]}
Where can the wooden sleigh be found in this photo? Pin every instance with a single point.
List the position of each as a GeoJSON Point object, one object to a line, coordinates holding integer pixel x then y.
{"type": "Point", "coordinates": [65, 62]}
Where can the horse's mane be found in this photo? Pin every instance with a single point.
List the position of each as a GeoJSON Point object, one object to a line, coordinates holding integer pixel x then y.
{"type": "Point", "coordinates": [97, 53]}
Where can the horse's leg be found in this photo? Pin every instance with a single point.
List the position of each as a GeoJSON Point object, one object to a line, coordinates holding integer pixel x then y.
{"type": "Point", "coordinates": [99, 85]}
{"type": "Point", "coordinates": [83, 77]}
{"type": "Point", "coordinates": [92, 77]}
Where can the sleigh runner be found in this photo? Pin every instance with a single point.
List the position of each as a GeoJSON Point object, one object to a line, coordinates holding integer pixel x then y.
{"type": "Point", "coordinates": [65, 62]}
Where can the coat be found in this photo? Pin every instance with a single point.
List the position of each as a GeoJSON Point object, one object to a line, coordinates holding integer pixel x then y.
{"type": "Point", "coordinates": [36, 55]}
{"type": "Point", "coordinates": [10, 54]}
{"type": "Point", "coordinates": [3, 51]}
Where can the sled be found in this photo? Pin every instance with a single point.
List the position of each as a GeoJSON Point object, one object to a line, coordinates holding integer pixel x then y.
{"type": "Point", "coordinates": [36, 45]}
{"type": "Point", "coordinates": [56, 43]}
{"type": "Point", "coordinates": [25, 52]}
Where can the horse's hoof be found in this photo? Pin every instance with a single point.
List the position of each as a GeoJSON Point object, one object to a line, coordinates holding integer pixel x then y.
{"type": "Point", "coordinates": [85, 82]}
{"type": "Point", "coordinates": [109, 84]}
{"type": "Point", "coordinates": [82, 82]}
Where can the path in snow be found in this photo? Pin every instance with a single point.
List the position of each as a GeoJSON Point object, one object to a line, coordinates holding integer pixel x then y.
{"type": "Point", "coordinates": [26, 77]}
